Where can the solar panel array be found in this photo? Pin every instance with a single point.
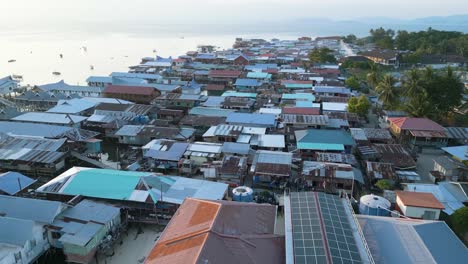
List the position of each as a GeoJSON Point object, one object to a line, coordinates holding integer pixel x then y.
{"type": "Point", "coordinates": [310, 246]}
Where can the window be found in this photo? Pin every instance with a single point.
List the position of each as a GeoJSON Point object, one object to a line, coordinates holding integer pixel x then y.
{"type": "Point", "coordinates": [55, 235]}
{"type": "Point", "coordinates": [429, 215]}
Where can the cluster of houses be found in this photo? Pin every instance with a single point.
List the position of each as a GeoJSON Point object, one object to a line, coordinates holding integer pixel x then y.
{"type": "Point", "coordinates": [187, 130]}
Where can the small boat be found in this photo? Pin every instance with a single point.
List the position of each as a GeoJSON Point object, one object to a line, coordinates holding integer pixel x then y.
{"type": "Point", "coordinates": [61, 55]}
{"type": "Point", "coordinates": [154, 51]}
{"type": "Point", "coordinates": [17, 77]}
{"type": "Point", "coordinates": [56, 73]}
{"type": "Point", "coordinates": [182, 37]}
{"type": "Point", "coordinates": [85, 49]}
{"type": "Point", "coordinates": [10, 61]}
{"type": "Point", "coordinates": [91, 67]}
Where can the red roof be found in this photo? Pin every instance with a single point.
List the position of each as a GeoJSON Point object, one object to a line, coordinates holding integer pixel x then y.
{"type": "Point", "coordinates": [325, 71]}
{"type": "Point", "coordinates": [272, 71]}
{"type": "Point", "coordinates": [224, 73]}
{"type": "Point", "coordinates": [121, 89]}
{"type": "Point", "coordinates": [215, 87]}
{"type": "Point", "coordinates": [301, 111]}
{"type": "Point", "coordinates": [412, 123]}
{"type": "Point", "coordinates": [419, 199]}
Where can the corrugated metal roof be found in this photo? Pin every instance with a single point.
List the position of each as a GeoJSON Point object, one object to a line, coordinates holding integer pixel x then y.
{"type": "Point", "coordinates": [209, 111]}
{"type": "Point", "coordinates": [425, 241]}
{"type": "Point", "coordinates": [197, 233]}
{"type": "Point", "coordinates": [83, 236]}
{"type": "Point", "coordinates": [88, 210]}
{"type": "Point", "coordinates": [15, 232]}
{"type": "Point", "coordinates": [41, 117]}
{"type": "Point", "coordinates": [252, 119]}
{"type": "Point", "coordinates": [13, 182]}
{"type": "Point", "coordinates": [42, 211]}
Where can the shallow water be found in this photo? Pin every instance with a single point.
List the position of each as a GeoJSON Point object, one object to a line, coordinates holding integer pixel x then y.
{"type": "Point", "coordinates": [37, 54]}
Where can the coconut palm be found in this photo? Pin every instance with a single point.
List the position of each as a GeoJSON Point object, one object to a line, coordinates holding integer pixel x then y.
{"type": "Point", "coordinates": [387, 92]}
{"type": "Point", "coordinates": [419, 106]}
{"type": "Point", "coordinates": [372, 76]}
{"type": "Point", "coordinates": [412, 83]}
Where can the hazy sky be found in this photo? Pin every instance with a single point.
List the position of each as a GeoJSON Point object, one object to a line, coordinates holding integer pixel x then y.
{"type": "Point", "coordinates": [226, 11]}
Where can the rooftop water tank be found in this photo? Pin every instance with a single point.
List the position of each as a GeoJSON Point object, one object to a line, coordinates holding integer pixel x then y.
{"type": "Point", "coordinates": [374, 205]}
{"type": "Point", "coordinates": [242, 194]}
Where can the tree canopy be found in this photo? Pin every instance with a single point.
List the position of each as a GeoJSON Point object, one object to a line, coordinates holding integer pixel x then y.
{"type": "Point", "coordinates": [431, 94]}
{"type": "Point", "coordinates": [359, 105]}
{"type": "Point", "coordinates": [384, 184]}
{"type": "Point", "coordinates": [322, 55]}
{"type": "Point", "coordinates": [459, 222]}
{"type": "Point", "coordinates": [387, 92]}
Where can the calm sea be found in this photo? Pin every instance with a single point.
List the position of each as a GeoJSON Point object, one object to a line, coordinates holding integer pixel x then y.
{"type": "Point", "coordinates": [37, 54]}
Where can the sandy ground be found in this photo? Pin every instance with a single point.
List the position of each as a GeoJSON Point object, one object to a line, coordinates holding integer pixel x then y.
{"type": "Point", "coordinates": [425, 163]}
{"type": "Point", "coordinates": [134, 248]}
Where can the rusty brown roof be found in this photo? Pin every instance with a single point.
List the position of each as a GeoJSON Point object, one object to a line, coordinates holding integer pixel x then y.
{"type": "Point", "coordinates": [204, 231]}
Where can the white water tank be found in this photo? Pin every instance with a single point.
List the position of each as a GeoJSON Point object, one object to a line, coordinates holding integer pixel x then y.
{"type": "Point", "coordinates": [242, 194]}
{"type": "Point", "coordinates": [374, 205]}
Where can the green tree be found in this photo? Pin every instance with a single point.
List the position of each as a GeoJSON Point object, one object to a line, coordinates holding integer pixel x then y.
{"type": "Point", "coordinates": [359, 105]}
{"type": "Point", "coordinates": [384, 184]}
{"type": "Point", "coordinates": [322, 55]}
{"type": "Point", "coordinates": [353, 83]}
{"type": "Point", "coordinates": [419, 105]}
{"type": "Point", "coordinates": [402, 40]}
{"type": "Point", "coordinates": [351, 38]}
{"type": "Point", "coordinates": [412, 83]}
{"type": "Point", "coordinates": [387, 92]}
{"type": "Point", "coordinates": [444, 92]}
{"type": "Point", "coordinates": [459, 222]}
{"type": "Point", "coordinates": [373, 75]}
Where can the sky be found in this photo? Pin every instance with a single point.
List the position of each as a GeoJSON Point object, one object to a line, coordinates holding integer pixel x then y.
{"type": "Point", "coordinates": [28, 12]}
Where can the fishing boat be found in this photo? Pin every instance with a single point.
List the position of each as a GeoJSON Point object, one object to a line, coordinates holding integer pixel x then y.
{"type": "Point", "coordinates": [10, 61]}
{"type": "Point", "coordinates": [61, 56]}
{"type": "Point", "coordinates": [91, 67]}
{"type": "Point", "coordinates": [17, 77]}
{"type": "Point", "coordinates": [56, 73]}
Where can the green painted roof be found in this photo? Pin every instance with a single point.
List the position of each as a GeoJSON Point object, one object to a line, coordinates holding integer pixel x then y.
{"type": "Point", "coordinates": [259, 75]}
{"type": "Point", "coordinates": [298, 85]}
{"type": "Point", "coordinates": [299, 96]}
{"type": "Point", "coordinates": [119, 184]}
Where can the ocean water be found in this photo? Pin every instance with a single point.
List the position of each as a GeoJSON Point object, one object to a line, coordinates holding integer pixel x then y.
{"type": "Point", "coordinates": [37, 53]}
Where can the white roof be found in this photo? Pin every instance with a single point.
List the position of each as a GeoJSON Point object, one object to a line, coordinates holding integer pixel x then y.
{"type": "Point", "coordinates": [268, 141]}
{"type": "Point", "coordinates": [329, 106]}
{"type": "Point", "coordinates": [205, 147]}
{"type": "Point", "coordinates": [275, 111]}
{"type": "Point", "coordinates": [254, 130]}
{"type": "Point", "coordinates": [50, 118]}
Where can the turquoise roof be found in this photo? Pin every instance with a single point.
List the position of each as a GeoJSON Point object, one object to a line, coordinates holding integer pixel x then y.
{"type": "Point", "coordinates": [324, 139]}
{"type": "Point", "coordinates": [119, 184]}
{"type": "Point", "coordinates": [210, 111]}
{"type": "Point", "coordinates": [298, 85]}
{"type": "Point", "coordinates": [259, 75]}
{"type": "Point", "coordinates": [299, 96]}
{"type": "Point", "coordinates": [320, 146]}
{"type": "Point", "coordinates": [304, 104]}
{"type": "Point", "coordinates": [239, 94]}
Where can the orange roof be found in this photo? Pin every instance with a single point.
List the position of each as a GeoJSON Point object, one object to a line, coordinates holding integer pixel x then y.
{"type": "Point", "coordinates": [199, 228]}
{"type": "Point", "coordinates": [419, 199]}
{"type": "Point", "coordinates": [186, 233]}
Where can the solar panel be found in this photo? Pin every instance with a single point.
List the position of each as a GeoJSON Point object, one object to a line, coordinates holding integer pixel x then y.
{"type": "Point", "coordinates": [312, 216]}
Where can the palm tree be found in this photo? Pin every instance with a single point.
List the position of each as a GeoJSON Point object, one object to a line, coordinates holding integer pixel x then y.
{"type": "Point", "coordinates": [372, 76]}
{"type": "Point", "coordinates": [387, 92]}
{"type": "Point", "coordinates": [412, 83]}
{"type": "Point", "coordinates": [419, 106]}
